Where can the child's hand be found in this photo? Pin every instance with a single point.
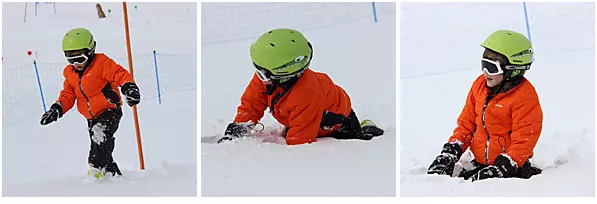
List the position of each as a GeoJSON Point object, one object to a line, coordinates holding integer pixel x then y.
{"type": "Point", "coordinates": [503, 167]}
{"type": "Point", "coordinates": [444, 163]}
{"type": "Point", "coordinates": [52, 115]}
{"type": "Point", "coordinates": [235, 130]}
{"type": "Point", "coordinates": [131, 93]}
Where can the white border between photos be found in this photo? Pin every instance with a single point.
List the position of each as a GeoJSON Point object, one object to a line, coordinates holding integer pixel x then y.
{"type": "Point", "coordinates": [398, 99]}
{"type": "Point", "coordinates": [198, 99]}
{"type": "Point", "coordinates": [1, 106]}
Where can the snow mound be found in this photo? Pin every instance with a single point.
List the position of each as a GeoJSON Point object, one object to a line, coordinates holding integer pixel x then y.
{"type": "Point", "coordinates": [166, 180]}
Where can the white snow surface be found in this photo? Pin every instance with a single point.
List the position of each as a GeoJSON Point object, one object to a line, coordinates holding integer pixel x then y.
{"type": "Point", "coordinates": [358, 54]}
{"type": "Point", "coordinates": [52, 160]}
{"type": "Point", "coordinates": [440, 54]}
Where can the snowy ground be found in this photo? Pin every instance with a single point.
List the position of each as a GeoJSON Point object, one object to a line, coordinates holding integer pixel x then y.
{"type": "Point", "coordinates": [440, 55]}
{"type": "Point", "coordinates": [358, 54]}
{"type": "Point", "coordinates": [52, 160]}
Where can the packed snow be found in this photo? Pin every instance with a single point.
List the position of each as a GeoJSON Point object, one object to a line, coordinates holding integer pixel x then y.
{"type": "Point", "coordinates": [440, 53]}
{"type": "Point", "coordinates": [52, 160]}
{"type": "Point", "coordinates": [358, 54]}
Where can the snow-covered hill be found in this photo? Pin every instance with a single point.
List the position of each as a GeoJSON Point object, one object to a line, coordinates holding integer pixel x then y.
{"type": "Point", "coordinates": [440, 53]}
{"type": "Point", "coordinates": [52, 160]}
{"type": "Point", "coordinates": [358, 54]}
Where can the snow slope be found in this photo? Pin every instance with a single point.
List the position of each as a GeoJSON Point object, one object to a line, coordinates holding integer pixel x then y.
{"type": "Point", "coordinates": [358, 54]}
{"type": "Point", "coordinates": [440, 55]}
{"type": "Point", "coordinates": [52, 160]}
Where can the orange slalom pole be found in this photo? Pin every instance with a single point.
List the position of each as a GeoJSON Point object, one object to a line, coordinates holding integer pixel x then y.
{"type": "Point", "coordinates": [128, 48]}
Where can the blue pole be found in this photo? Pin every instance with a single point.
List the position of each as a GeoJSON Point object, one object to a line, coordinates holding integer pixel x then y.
{"type": "Point", "coordinates": [526, 18]}
{"type": "Point", "coordinates": [157, 79]}
{"type": "Point", "coordinates": [43, 101]}
{"type": "Point", "coordinates": [374, 12]}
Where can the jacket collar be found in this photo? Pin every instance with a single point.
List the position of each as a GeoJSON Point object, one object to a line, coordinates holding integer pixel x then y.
{"type": "Point", "coordinates": [505, 86]}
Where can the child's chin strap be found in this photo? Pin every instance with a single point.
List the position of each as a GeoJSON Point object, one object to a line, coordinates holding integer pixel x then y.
{"type": "Point", "coordinates": [270, 88]}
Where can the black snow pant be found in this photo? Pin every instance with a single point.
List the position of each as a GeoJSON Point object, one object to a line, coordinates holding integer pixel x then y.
{"type": "Point", "coordinates": [350, 127]}
{"type": "Point", "coordinates": [525, 171]}
{"type": "Point", "coordinates": [101, 133]}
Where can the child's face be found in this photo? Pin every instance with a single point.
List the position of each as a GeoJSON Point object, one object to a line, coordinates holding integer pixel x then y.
{"type": "Point", "coordinates": [79, 66]}
{"type": "Point", "coordinates": [493, 81]}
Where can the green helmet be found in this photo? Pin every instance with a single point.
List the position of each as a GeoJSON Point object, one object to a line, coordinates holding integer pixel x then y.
{"type": "Point", "coordinates": [515, 46]}
{"type": "Point", "coordinates": [78, 39]}
{"type": "Point", "coordinates": [282, 52]}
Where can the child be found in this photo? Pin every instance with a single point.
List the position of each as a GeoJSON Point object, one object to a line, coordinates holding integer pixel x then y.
{"type": "Point", "coordinates": [502, 119]}
{"type": "Point", "coordinates": [92, 80]}
{"type": "Point", "coordinates": [307, 103]}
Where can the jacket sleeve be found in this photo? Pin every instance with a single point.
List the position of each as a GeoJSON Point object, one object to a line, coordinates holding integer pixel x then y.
{"type": "Point", "coordinates": [304, 120]}
{"type": "Point", "coordinates": [67, 95]}
{"type": "Point", "coordinates": [115, 73]}
{"type": "Point", "coordinates": [252, 103]}
{"type": "Point", "coordinates": [527, 119]}
{"type": "Point", "coordinates": [463, 133]}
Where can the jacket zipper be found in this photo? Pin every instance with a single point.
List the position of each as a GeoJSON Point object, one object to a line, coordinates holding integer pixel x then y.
{"type": "Point", "coordinates": [485, 127]}
{"type": "Point", "coordinates": [277, 98]}
{"type": "Point", "coordinates": [86, 98]}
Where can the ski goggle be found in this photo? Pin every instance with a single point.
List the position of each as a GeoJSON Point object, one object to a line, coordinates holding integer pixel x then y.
{"type": "Point", "coordinates": [266, 75]}
{"type": "Point", "coordinates": [262, 74]}
{"type": "Point", "coordinates": [493, 67]}
{"type": "Point", "coordinates": [79, 59]}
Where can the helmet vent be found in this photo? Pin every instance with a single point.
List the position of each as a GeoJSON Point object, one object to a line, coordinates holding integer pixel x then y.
{"type": "Point", "coordinates": [272, 44]}
{"type": "Point", "coordinates": [292, 40]}
{"type": "Point", "coordinates": [291, 31]}
{"type": "Point", "coordinates": [270, 32]}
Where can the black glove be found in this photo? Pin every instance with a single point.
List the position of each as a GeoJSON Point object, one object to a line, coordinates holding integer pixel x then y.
{"type": "Point", "coordinates": [131, 93]}
{"type": "Point", "coordinates": [444, 163]}
{"type": "Point", "coordinates": [235, 130]}
{"type": "Point", "coordinates": [51, 115]}
{"type": "Point", "coordinates": [503, 167]}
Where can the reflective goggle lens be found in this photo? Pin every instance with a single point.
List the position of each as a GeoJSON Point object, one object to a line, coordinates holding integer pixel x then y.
{"type": "Point", "coordinates": [491, 67]}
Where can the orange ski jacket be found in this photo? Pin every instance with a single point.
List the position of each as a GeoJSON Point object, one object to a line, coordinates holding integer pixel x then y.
{"type": "Point", "coordinates": [96, 89]}
{"type": "Point", "coordinates": [300, 109]}
{"type": "Point", "coordinates": [508, 123]}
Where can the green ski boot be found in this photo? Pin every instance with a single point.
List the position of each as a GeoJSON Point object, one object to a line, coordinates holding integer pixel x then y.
{"type": "Point", "coordinates": [95, 172]}
{"type": "Point", "coordinates": [370, 128]}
